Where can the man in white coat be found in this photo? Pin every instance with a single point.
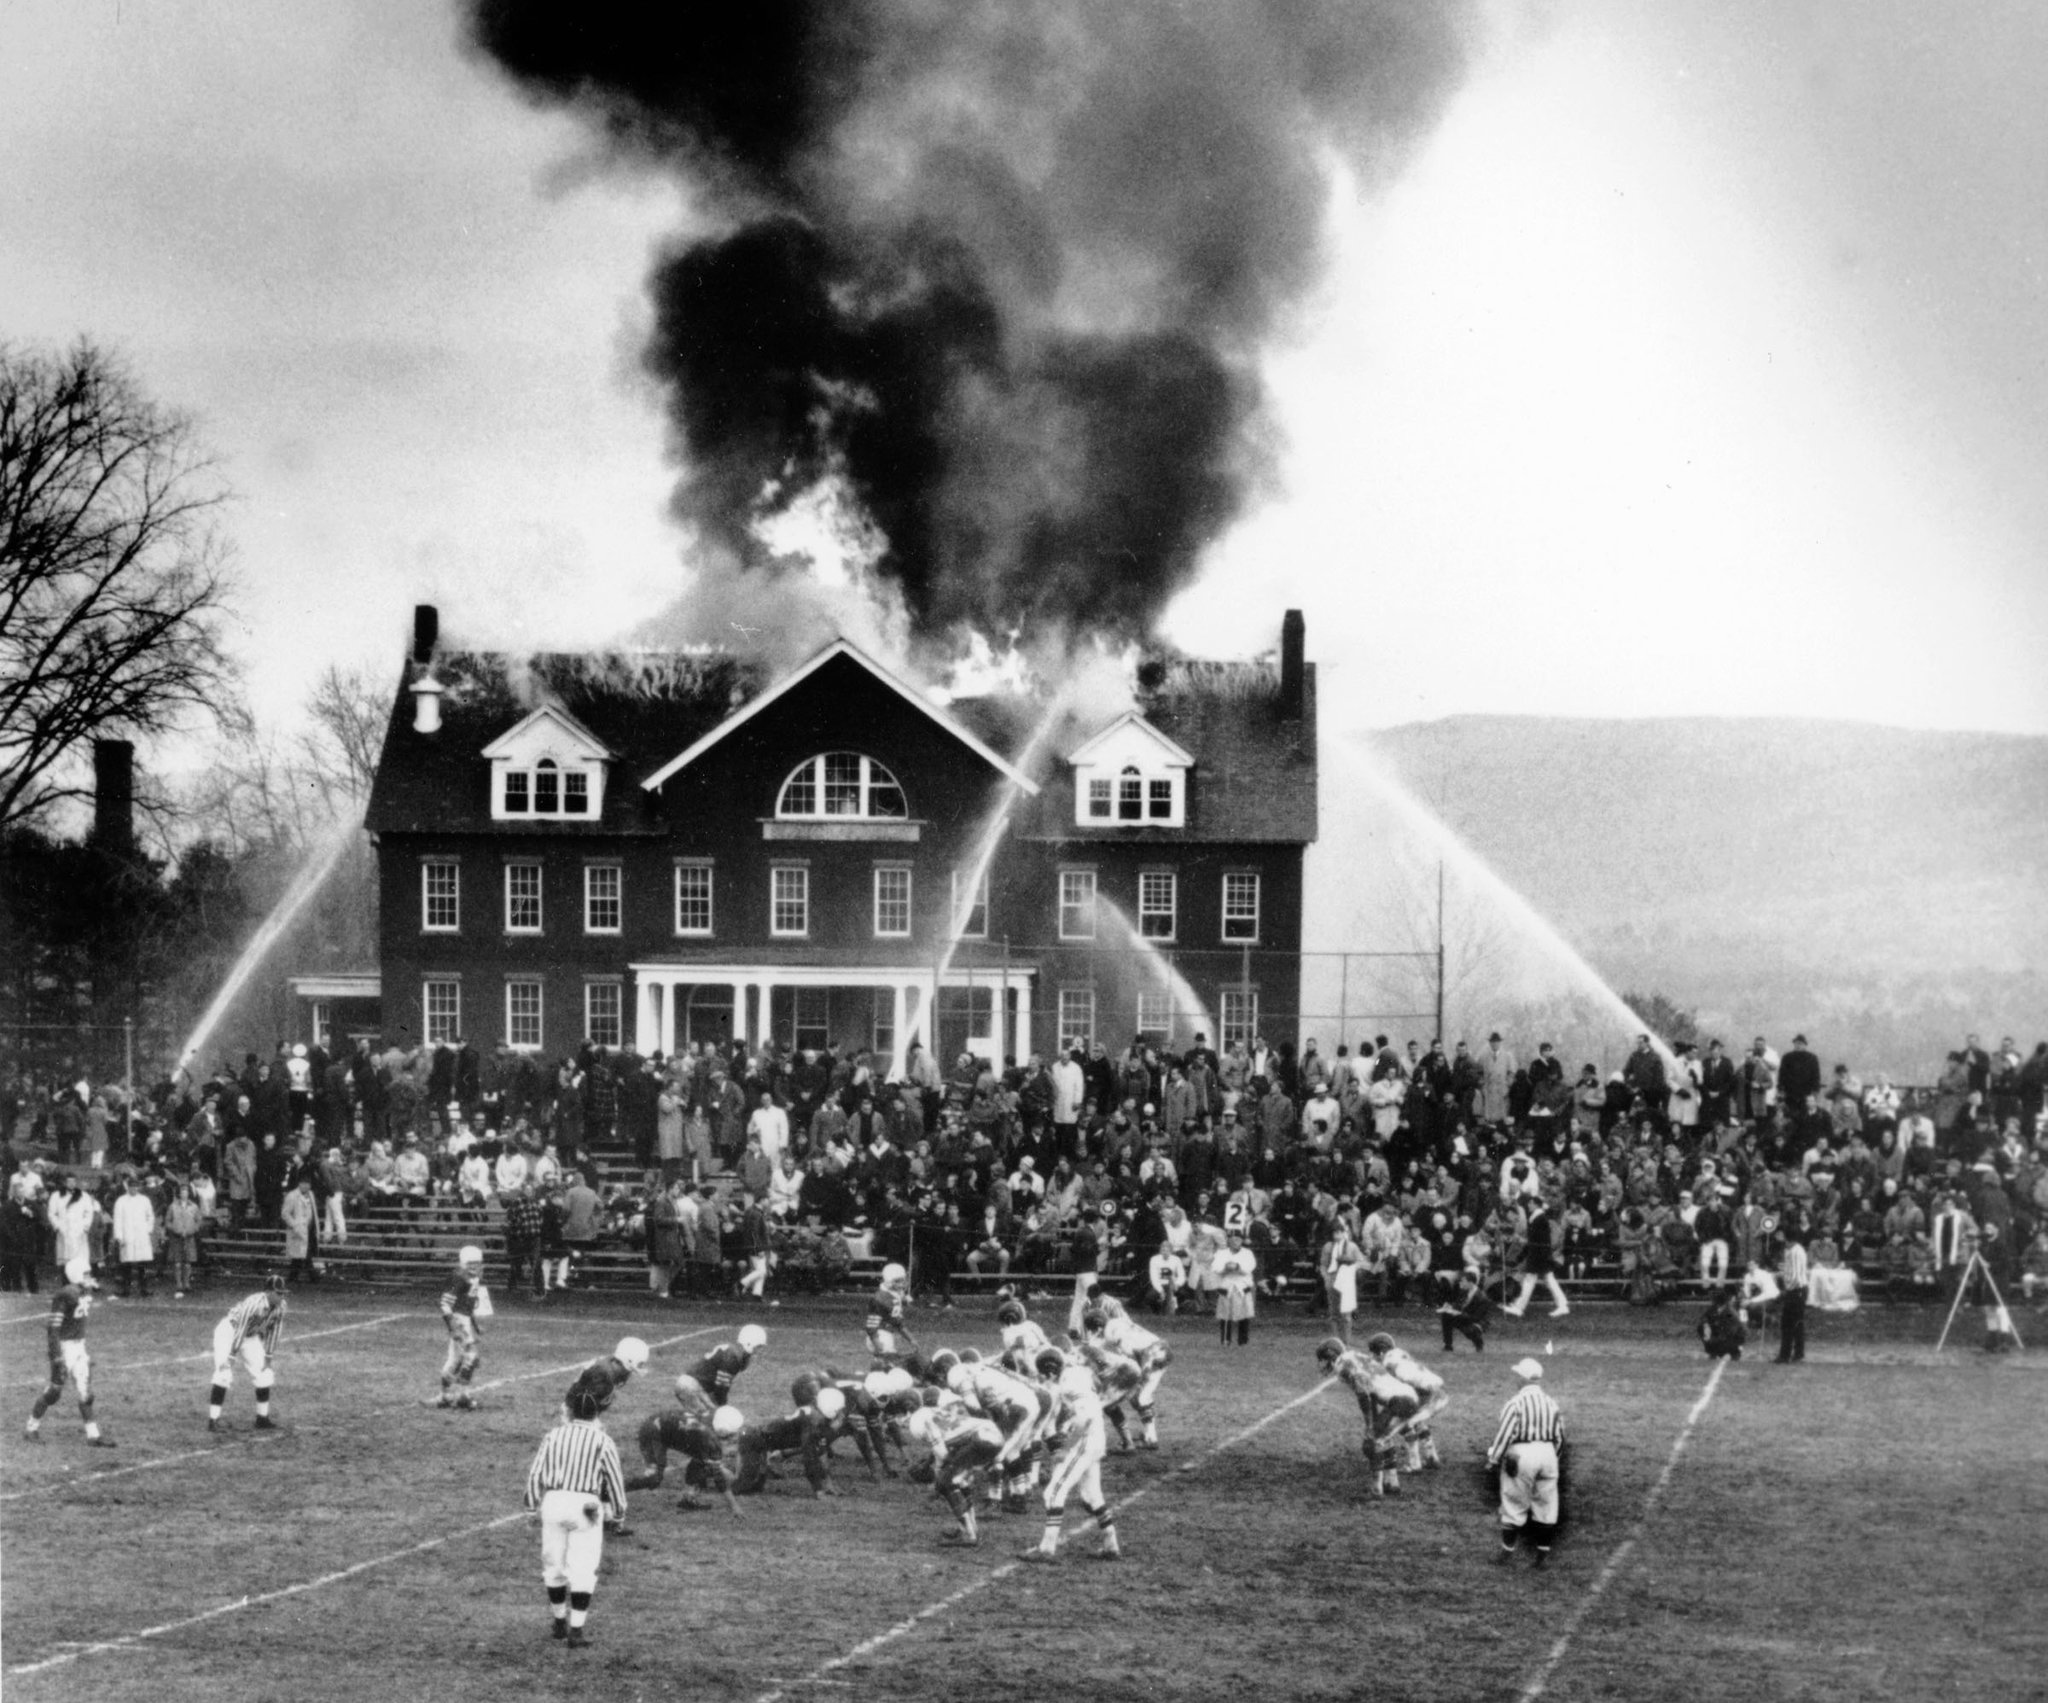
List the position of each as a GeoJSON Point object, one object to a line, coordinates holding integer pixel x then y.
{"type": "Point", "coordinates": [134, 1236]}
{"type": "Point", "coordinates": [1069, 1093]}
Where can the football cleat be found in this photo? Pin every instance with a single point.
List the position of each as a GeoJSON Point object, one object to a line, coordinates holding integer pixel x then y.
{"type": "Point", "coordinates": [1037, 1557]}
{"type": "Point", "coordinates": [101, 1443]}
{"type": "Point", "coordinates": [579, 1638]}
{"type": "Point", "coordinates": [265, 1423]}
{"type": "Point", "coordinates": [32, 1435]}
{"type": "Point", "coordinates": [561, 1630]}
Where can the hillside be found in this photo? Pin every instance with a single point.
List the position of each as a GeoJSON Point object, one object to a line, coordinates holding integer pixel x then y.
{"type": "Point", "coordinates": [1859, 880]}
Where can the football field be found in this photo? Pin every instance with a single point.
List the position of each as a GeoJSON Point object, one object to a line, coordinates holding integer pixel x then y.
{"type": "Point", "coordinates": [1868, 1525]}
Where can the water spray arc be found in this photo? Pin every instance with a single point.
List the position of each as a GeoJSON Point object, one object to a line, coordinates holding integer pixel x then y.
{"type": "Point", "coordinates": [1447, 848]}
{"type": "Point", "coordinates": [320, 861]}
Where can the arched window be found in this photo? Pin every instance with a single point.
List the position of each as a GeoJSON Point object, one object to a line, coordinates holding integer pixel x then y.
{"type": "Point", "coordinates": [547, 781]}
{"type": "Point", "coordinates": [1130, 795]}
{"type": "Point", "coordinates": [841, 784]}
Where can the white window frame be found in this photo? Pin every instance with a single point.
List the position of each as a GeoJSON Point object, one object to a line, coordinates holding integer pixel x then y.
{"type": "Point", "coordinates": [589, 776]}
{"type": "Point", "coordinates": [1155, 1004]}
{"type": "Point", "coordinates": [593, 995]}
{"type": "Point", "coordinates": [1169, 909]}
{"type": "Point", "coordinates": [965, 925]}
{"type": "Point", "coordinates": [429, 868]}
{"type": "Point", "coordinates": [446, 1024]}
{"type": "Point", "coordinates": [886, 876]}
{"type": "Point", "coordinates": [1073, 1003]}
{"type": "Point", "coordinates": [518, 867]}
{"type": "Point", "coordinates": [321, 1019]}
{"type": "Point", "coordinates": [799, 876]}
{"type": "Point", "coordinates": [515, 985]}
{"type": "Point", "coordinates": [810, 1017]}
{"type": "Point", "coordinates": [1235, 916]}
{"type": "Point", "coordinates": [872, 780]}
{"type": "Point", "coordinates": [593, 880]}
{"type": "Point", "coordinates": [1076, 894]}
{"type": "Point", "coordinates": [1237, 1013]}
{"type": "Point", "coordinates": [694, 867]}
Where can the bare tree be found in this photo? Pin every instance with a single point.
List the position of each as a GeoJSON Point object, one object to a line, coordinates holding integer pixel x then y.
{"type": "Point", "coordinates": [348, 708]}
{"type": "Point", "coordinates": [112, 575]}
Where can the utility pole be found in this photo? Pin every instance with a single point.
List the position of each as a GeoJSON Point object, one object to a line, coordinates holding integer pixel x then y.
{"type": "Point", "coordinates": [128, 1070]}
{"type": "Point", "coordinates": [1439, 949]}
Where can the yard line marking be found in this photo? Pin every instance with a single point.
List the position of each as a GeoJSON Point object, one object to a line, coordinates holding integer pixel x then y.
{"type": "Point", "coordinates": [26, 1318]}
{"type": "Point", "coordinates": [821, 1674]}
{"type": "Point", "coordinates": [290, 1341]}
{"type": "Point", "coordinates": [1541, 1678]}
{"type": "Point", "coordinates": [87, 1481]}
{"type": "Point", "coordinates": [215, 1613]}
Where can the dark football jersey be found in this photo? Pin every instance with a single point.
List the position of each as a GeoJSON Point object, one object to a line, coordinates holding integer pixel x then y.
{"type": "Point", "coordinates": [716, 1371]}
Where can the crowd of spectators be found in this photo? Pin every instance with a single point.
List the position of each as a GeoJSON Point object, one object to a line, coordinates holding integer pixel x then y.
{"type": "Point", "coordinates": [1396, 1171]}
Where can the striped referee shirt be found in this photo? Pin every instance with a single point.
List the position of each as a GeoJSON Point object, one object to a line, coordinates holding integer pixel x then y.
{"type": "Point", "coordinates": [261, 1312]}
{"type": "Point", "coordinates": [578, 1455]}
{"type": "Point", "coordinates": [1529, 1417]}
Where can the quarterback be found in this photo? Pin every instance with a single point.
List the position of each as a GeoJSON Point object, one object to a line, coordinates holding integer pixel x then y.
{"type": "Point", "coordinates": [460, 1302]}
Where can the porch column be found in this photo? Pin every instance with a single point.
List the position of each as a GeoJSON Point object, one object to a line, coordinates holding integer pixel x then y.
{"type": "Point", "coordinates": [998, 1022]}
{"type": "Point", "coordinates": [742, 1001]}
{"type": "Point", "coordinates": [899, 1030]}
{"type": "Point", "coordinates": [1024, 1048]}
{"type": "Point", "coordinates": [668, 1019]}
{"type": "Point", "coordinates": [645, 1024]}
{"type": "Point", "coordinates": [766, 1032]}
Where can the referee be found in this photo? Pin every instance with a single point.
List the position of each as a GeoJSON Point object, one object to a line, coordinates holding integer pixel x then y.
{"type": "Point", "coordinates": [574, 1480]}
{"type": "Point", "coordinates": [1525, 1449]}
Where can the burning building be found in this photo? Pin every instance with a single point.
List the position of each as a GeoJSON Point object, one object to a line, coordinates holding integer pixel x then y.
{"type": "Point", "coordinates": [654, 849]}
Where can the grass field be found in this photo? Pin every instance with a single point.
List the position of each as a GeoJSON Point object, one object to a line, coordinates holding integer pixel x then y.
{"type": "Point", "coordinates": [1869, 1525]}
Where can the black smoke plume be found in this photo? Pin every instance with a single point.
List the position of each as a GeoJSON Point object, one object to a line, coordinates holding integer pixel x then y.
{"type": "Point", "coordinates": [1003, 269]}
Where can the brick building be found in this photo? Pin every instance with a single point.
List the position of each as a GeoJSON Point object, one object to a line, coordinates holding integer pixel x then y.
{"type": "Point", "coordinates": [647, 850]}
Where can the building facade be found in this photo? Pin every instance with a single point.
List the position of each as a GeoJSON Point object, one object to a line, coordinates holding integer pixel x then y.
{"type": "Point", "coordinates": [648, 851]}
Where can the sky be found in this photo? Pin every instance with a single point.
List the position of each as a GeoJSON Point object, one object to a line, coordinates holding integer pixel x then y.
{"type": "Point", "coordinates": [1695, 363]}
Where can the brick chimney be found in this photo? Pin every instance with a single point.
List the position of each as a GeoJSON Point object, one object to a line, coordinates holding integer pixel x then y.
{"type": "Point", "coordinates": [426, 631]}
{"type": "Point", "coordinates": [113, 795]}
{"type": "Point", "coordinates": [1293, 688]}
{"type": "Point", "coordinates": [426, 690]}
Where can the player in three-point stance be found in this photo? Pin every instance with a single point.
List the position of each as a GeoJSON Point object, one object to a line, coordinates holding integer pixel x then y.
{"type": "Point", "coordinates": [249, 1333]}
{"type": "Point", "coordinates": [1385, 1402]}
{"type": "Point", "coordinates": [962, 1445]}
{"type": "Point", "coordinates": [1428, 1386]}
{"type": "Point", "coordinates": [608, 1374]}
{"type": "Point", "coordinates": [575, 1482]}
{"type": "Point", "coordinates": [69, 1362]}
{"type": "Point", "coordinates": [1105, 1320]}
{"type": "Point", "coordinates": [1078, 1470]}
{"type": "Point", "coordinates": [699, 1434]}
{"type": "Point", "coordinates": [460, 1303]}
{"type": "Point", "coordinates": [1020, 1410]}
{"type": "Point", "coordinates": [1526, 1448]}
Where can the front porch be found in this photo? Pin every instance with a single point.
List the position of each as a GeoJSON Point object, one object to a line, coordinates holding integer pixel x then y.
{"type": "Point", "coordinates": [882, 1008]}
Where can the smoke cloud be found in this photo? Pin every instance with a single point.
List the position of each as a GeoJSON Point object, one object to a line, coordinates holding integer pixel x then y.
{"type": "Point", "coordinates": [1000, 272]}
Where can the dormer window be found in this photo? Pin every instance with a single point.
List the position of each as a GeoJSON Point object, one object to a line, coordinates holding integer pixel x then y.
{"type": "Point", "coordinates": [549, 767]}
{"type": "Point", "coordinates": [841, 786]}
{"type": "Point", "coordinates": [1131, 776]}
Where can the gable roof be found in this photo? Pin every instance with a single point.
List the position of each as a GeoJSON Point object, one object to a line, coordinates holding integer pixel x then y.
{"type": "Point", "coordinates": [503, 744]}
{"type": "Point", "coordinates": [846, 648]}
{"type": "Point", "coordinates": [1131, 718]}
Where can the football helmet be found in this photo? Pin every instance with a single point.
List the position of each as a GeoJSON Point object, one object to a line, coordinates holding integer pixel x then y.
{"type": "Point", "coordinates": [1050, 1362]}
{"type": "Point", "coordinates": [1329, 1351]}
{"type": "Point", "coordinates": [753, 1338]}
{"type": "Point", "coordinates": [1094, 1319]}
{"type": "Point", "coordinates": [79, 1273]}
{"type": "Point", "coordinates": [803, 1388]}
{"type": "Point", "coordinates": [631, 1354]}
{"type": "Point", "coordinates": [893, 1274]}
{"type": "Point", "coordinates": [728, 1422]}
{"type": "Point", "coordinates": [1379, 1343]}
{"type": "Point", "coordinates": [943, 1363]}
{"type": "Point", "coordinates": [1011, 1312]}
{"type": "Point", "coordinates": [470, 1256]}
{"type": "Point", "coordinates": [970, 1356]}
{"type": "Point", "coordinates": [831, 1401]}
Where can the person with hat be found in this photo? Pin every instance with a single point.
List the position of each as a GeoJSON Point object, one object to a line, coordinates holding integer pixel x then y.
{"type": "Point", "coordinates": [575, 1483]}
{"type": "Point", "coordinates": [1526, 1449]}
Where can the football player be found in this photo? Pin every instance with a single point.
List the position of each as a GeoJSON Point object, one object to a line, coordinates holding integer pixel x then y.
{"type": "Point", "coordinates": [459, 1304]}
{"type": "Point", "coordinates": [962, 1445]}
{"type": "Point", "coordinates": [1117, 1376]}
{"type": "Point", "coordinates": [603, 1378]}
{"type": "Point", "coordinates": [717, 1369]}
{"type": "Point", "coordinates": [1384, 1401]}
{"type": "Point", "coordinates": [807, 1432]}
{"type": "Point", "coordinates": [1022, 1339]}
{"type": "Point", "coordinates": [1464, 1308]}
{"type": "Point", "coordinates": [1106, 1320]}
{"type": "Point", "coordinates": [249, 1333]}
{"type": "Point", "coordinates": [1078, 1470]}
{"type": "Point", "coordinates": [69, 1362]}
{"type": "Point", "coordinates": [1431, 1396]}
{"type": "Point", "coordinates": [889, 1341]}
{"type": "Point", "coordinates": [699, 1435]}
{"type": "Point", "coordinates": [1018, 1411]}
